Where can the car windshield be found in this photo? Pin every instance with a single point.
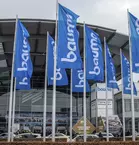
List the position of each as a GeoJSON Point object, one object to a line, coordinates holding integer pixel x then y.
{"type": "Point", "coordinates": [89, 136]}
{"type": "Point", "coordinates": [59, 134]}
{"type": "Point", "coordinates": [3, 134]}
{"type": "Point", "coordinates": [50, 135]}
{"type": "Point", "coordinates": [79, 137]}
{"type": "Point", "coordinates": [104, 134]}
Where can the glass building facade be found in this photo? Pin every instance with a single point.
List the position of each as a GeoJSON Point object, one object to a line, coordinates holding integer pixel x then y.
{"type": "Point", "coordinates": [128, 111]}
{"type": "Point", "coordinates": [29, 106]}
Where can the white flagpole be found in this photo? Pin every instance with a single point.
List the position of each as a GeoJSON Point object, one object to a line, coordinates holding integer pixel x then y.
{"type": "Point", "coordinates": [54, 81]}
{"type": "Point", "coordinates": [107, 120]}
{"type": "Point", "coordinates": [45, 92]}
{"type": "Point", "coordinates": [84, 100]}
{"type": "Point", "coordinates": [71, 108]}
{"type": "Point", "coordinates": [11, 85]}
{"type": "Point", "coordinates": [13, 112]}
{"type": "Point", "coordinates": [132, 95]}
{"type": "Point", "coordinates": [123, 101]}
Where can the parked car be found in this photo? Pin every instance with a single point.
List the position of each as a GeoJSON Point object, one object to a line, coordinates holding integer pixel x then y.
{"type": "Point", "coordinates": [88, 136]}
{"type": "Point", "coordinates": [28, 135]}
{"type": "Point", "coordinates": [104, 135]}
{"type": "Point", "coordinates": [58, 135]}
{"type": "Point", "coordinates": [130, 136]}
{"type": "Point", "coordinates": [137, 134]}
{"type": "Point", "coordinates": [5, 135]}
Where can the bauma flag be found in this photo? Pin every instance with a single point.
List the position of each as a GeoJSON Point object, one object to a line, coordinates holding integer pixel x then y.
{"type": "Point", "coordinates": [78, 81]}
{"type": "Point", "coordinates": [23, 65]}
{"type": "Point", "coordinates": [68, 37]}
{"type": "Point", "coordinates": [111, 79]}
{"type": "Point", "coordinates": [23, 83]}
{"type": "Point", "coordinates": [134, 37]}
{"type": "Point", "coordinates": [94, 56]}
{"type": "Point", "coordinates": [61, 76]}
{"type": "Point", "coordinates": [126, 77]}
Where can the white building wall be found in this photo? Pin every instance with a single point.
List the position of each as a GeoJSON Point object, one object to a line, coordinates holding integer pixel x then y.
{"type": "Point", "coordinates": [93, 109]}
{"type": "Point", "coordinates": [127, 99]}
{"type": "Point", "coordinates": [101, 104]}
{"type": "Point", "coordinates": [118, 95]}
{"type": "Point", "coordinates": [98, 100]}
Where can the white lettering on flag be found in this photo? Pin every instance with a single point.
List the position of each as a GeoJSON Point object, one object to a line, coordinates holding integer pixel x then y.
{"type": "Point", "coordinates": [71, 45]}
{"type": "Point", "coordinates": [81, 78]}
{"type": "Point", "coordinates": [24, 55]}
{"type": "Point", "coordinates": [95, 52]}
{"type": "Point", "coordinates": [24, 81]}
{"type": "Point", "coordinates": [137, 26]}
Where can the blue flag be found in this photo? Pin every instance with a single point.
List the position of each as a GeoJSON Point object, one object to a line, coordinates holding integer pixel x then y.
{"type": "Point", "coordinates": [134, 29]}
{"type": "Point", "coordinates": [61, 76]}
{"type": "Point", "coordinates": [23, 83]}
{"type": "Point", "coordinates": [78, 81]}
{"type": "Point", "coordinates": [23, 65]}
{"type": "Point", "coordinates": [126, 77]}
{"type": "Point", "coordinates": [68, 37]}
{"type": "Point", "coordinates": [94, 56]}
{"type": "Point", "coordinates": [111, 79]}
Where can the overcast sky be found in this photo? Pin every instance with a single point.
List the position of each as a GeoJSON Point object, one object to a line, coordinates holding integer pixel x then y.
{"type": "Point", "coordinates": [106, 13]}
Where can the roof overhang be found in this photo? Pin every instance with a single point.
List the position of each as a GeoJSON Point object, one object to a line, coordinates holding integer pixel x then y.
{"type": "Point", "coordinates": [38, 32]}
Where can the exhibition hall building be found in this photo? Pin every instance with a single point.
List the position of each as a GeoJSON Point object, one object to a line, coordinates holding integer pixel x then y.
{"type": "Point", "coordinates": [29, 103]}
